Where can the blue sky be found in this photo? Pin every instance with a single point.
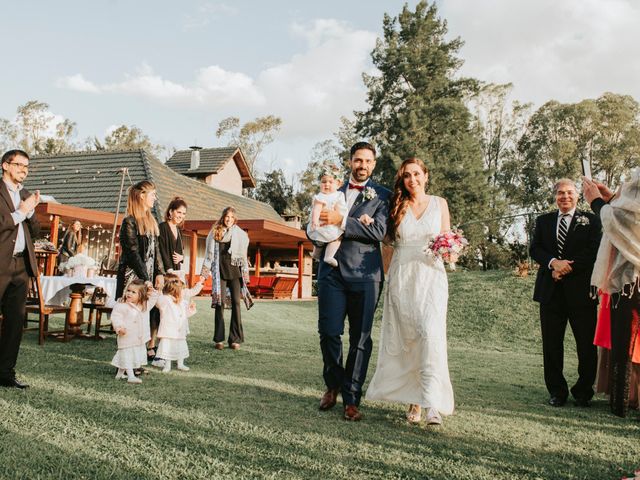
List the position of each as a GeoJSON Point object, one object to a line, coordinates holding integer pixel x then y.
{"type": "Point", "coordinates": [175, 69]}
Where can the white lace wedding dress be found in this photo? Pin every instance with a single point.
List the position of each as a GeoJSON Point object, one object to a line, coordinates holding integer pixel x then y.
{"type": "Point", "coordinates": [412, 363]}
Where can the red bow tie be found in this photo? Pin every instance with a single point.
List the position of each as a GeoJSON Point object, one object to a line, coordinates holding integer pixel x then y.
{"type": "Point", "coordinates": [357, 187]}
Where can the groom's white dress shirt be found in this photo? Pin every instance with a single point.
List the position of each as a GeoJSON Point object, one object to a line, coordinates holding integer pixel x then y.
{"type": "Point", "coordinates": [352, 194]}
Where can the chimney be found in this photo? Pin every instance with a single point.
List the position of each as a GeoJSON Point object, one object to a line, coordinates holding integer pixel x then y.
{"type": "Point", "coordinates": [195, 157]}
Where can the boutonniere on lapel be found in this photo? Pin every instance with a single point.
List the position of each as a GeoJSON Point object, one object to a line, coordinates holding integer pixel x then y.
{"type": "Point", "coordinates": [369, 193]}
{"type": "Point", "coordinates": [582, 220]}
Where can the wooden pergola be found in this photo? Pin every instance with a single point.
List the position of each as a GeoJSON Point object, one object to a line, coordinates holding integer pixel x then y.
{"type": "Point", "coordinates": [262, 233]}
{"type": "Point", "coordinates": [52, 213]}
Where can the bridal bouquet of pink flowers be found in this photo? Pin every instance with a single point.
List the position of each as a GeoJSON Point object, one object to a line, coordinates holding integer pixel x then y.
{"type": "Point", "coordinates": [447, 246]}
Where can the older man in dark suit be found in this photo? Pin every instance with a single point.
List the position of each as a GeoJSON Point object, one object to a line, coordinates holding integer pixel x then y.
{"type": "Point", "coordinates": [17, 258]}
{"type": "Point", "coordinates": [353, 287]}
{"type": "Point", "coordinates": [565, 244]}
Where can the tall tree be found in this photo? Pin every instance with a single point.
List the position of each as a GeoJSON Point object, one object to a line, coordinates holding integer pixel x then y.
{"type": "Point", "coordinates": [276, 191]}
{"type": "Point", "coordinates": [252, 137]}
{"type": "Point", "coordinates": [37, 130]}
{"type": "Point", "coordinates": [604, 132]}
{"type": "Point", "coordinates": [499, 124]}
{"type": "Point", "coordinates": [417, 108]}
{"type": "Point", "coordinates": [124, 137]}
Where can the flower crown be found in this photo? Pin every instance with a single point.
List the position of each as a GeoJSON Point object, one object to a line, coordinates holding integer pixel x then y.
{"type": "Point", "coordinates": [331, 171]}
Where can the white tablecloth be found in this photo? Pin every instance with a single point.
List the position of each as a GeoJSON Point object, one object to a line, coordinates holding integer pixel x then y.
{"type": "Point", "coordinates": [55, 290]}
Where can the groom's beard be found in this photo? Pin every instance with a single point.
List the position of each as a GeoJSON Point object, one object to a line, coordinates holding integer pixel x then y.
{"type": "Point", "coordinates": [361, 175]}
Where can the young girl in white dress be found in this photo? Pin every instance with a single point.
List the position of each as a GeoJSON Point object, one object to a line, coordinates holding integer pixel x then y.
{"type": "Point", "coordinates": [329, 198]}
{"type": "Point", "coordinates": [130, 320]}
{"type": "Point", "coordinates": [412, 363]}
{"type": "Point", "coordinates": [175, 309]}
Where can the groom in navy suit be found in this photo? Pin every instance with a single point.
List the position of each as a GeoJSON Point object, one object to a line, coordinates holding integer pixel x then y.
{"type": "Point", "coordinates": [353, 287]}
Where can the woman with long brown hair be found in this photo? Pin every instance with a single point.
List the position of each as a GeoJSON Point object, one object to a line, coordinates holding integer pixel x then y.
{"type": "Point", "coordinates": [170, 239]}
{"type": "Point", "coordinates": [412, 360]}
{"type": "Point", "coordinates": [70, 242]}
{"type": "Point", "coordinates": [171, 250]}
{"type": "Point", "coordinates": [226, 262]}
{"type": "Point", "coordinates": [139, 252]}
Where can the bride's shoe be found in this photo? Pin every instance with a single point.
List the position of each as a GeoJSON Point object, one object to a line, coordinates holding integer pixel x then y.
{"type": "Point", "coordinates": [433, 417]}
{"type": "Point", "coordinates": [414, 415]}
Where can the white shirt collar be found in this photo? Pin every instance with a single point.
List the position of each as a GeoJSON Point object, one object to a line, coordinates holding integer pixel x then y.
{"type": "Point", "coordinates": [11, 186]}
{"type": "Point", "coordinates": [571, 213]}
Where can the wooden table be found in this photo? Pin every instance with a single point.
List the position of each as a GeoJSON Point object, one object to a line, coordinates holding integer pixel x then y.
{"type": "Point", "coordinates": [57, 290]}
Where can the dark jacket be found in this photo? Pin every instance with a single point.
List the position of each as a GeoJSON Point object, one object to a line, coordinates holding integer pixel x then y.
{"type": "Point", "coordinates": [69, 246]}
{"type": "Point", "coordinates": [9, 232]}
{"type": "Point", "coordinates": [168, 244]}
{"type": "Point", "coordinates": [133, 249]}
{"type": "Point", "coordinates": [581, 246]}
{"type": "Point", "coordinates": [359, 257]}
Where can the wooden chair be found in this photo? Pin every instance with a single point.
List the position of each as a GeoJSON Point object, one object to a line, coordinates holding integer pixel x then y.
{"type": "Point", "coordinates": [253, 284]}
{"type": "Point", "coordinates": [97, 305]}
{"type": "Point", "coordinates": [283, 288]}
{"type": "Point", "coordinates": [265, 287]}
{"type": "Point", "coordinates": [36, 305]}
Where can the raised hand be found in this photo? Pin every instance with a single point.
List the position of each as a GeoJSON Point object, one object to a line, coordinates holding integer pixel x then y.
{"type": "Point", "coordinates": [29, 203]}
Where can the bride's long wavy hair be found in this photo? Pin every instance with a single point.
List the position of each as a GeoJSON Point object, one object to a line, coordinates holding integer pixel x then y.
{"type": "Point", "coordinates": [401, 197]}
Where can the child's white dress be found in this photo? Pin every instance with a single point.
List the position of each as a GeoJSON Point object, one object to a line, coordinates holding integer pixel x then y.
{"type": "Point", "coordinates": [328, 233]}
{"type": "Point", "coordinates": [132, 350]}
{"type": "Point", "coordinates": [174, 325]}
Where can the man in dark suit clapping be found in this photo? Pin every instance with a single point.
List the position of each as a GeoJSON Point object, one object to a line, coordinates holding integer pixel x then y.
{"type": "Point", "coordinates": [353, 287]}
{"type": "Point", "coordinates": [565, 244]}
{"type": "Point", "coordinates": [17, 258]}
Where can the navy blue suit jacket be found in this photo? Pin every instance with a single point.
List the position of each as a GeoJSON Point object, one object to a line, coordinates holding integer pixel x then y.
{"type": "Point", "coordinates": [359, 257]}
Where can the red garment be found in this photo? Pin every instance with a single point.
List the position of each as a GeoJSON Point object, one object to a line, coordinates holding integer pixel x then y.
{"type": "Point", "coordinates": [634, 348]}
{"type": "Point", "coordinates": [603, 327]}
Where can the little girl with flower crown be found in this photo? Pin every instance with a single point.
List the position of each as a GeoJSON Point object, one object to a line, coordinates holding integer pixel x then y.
{"type": "Point", "coordinates": [130, 320]}
{"type": "Point", "coordinates": [329, 198]}
{"type": "Point", "coordinates": [175, 308]}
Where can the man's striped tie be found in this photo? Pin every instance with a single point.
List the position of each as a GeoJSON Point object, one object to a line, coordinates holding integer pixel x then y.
{"type": "Point", "coordinates": [563, 228]}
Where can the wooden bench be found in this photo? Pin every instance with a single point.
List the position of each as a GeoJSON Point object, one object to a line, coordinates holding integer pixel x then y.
{"type": "Point", "coordinates": [281, 287]}
{"type": "Point", "coordinates": [262, 287]}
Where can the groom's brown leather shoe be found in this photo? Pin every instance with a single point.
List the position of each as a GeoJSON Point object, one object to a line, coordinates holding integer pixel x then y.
{"type": "Point", "coordinates": [351, 413]}
{"type": "Point", "coordinates": [328, 400]}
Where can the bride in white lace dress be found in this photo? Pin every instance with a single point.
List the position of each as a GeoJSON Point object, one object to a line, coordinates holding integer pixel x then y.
{"type": "Point", "coordinates": [412, 363]}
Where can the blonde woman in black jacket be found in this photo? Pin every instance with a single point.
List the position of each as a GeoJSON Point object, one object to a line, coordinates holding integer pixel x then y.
{"type": "Point", "coordinates": [139, 250]}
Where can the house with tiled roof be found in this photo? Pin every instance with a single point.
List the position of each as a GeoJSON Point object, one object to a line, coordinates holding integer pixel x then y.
{"type": "Point", "coordinates": [92, 185]}
{"type": "Point", "coordinates": [223, 168]}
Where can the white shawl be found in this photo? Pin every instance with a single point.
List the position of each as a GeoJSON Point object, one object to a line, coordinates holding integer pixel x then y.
{"type": "Point", "coordinates": [618, 261]}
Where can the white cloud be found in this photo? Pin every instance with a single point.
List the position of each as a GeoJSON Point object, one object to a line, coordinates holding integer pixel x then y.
{"type": "Point", "coordinates": [313, 89]}
{"type": "Point", "coordinates": [567, 50]}
{"type": "Point", "coordinates": [78, 83]}
{"type": "Point", "coordinates": [213, 86]}
{"type": "Point", "coordinates": [310, 91]}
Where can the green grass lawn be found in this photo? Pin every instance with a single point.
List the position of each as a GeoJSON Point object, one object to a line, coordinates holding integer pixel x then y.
{"type": "Point", "coordinates": [253, 413]}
